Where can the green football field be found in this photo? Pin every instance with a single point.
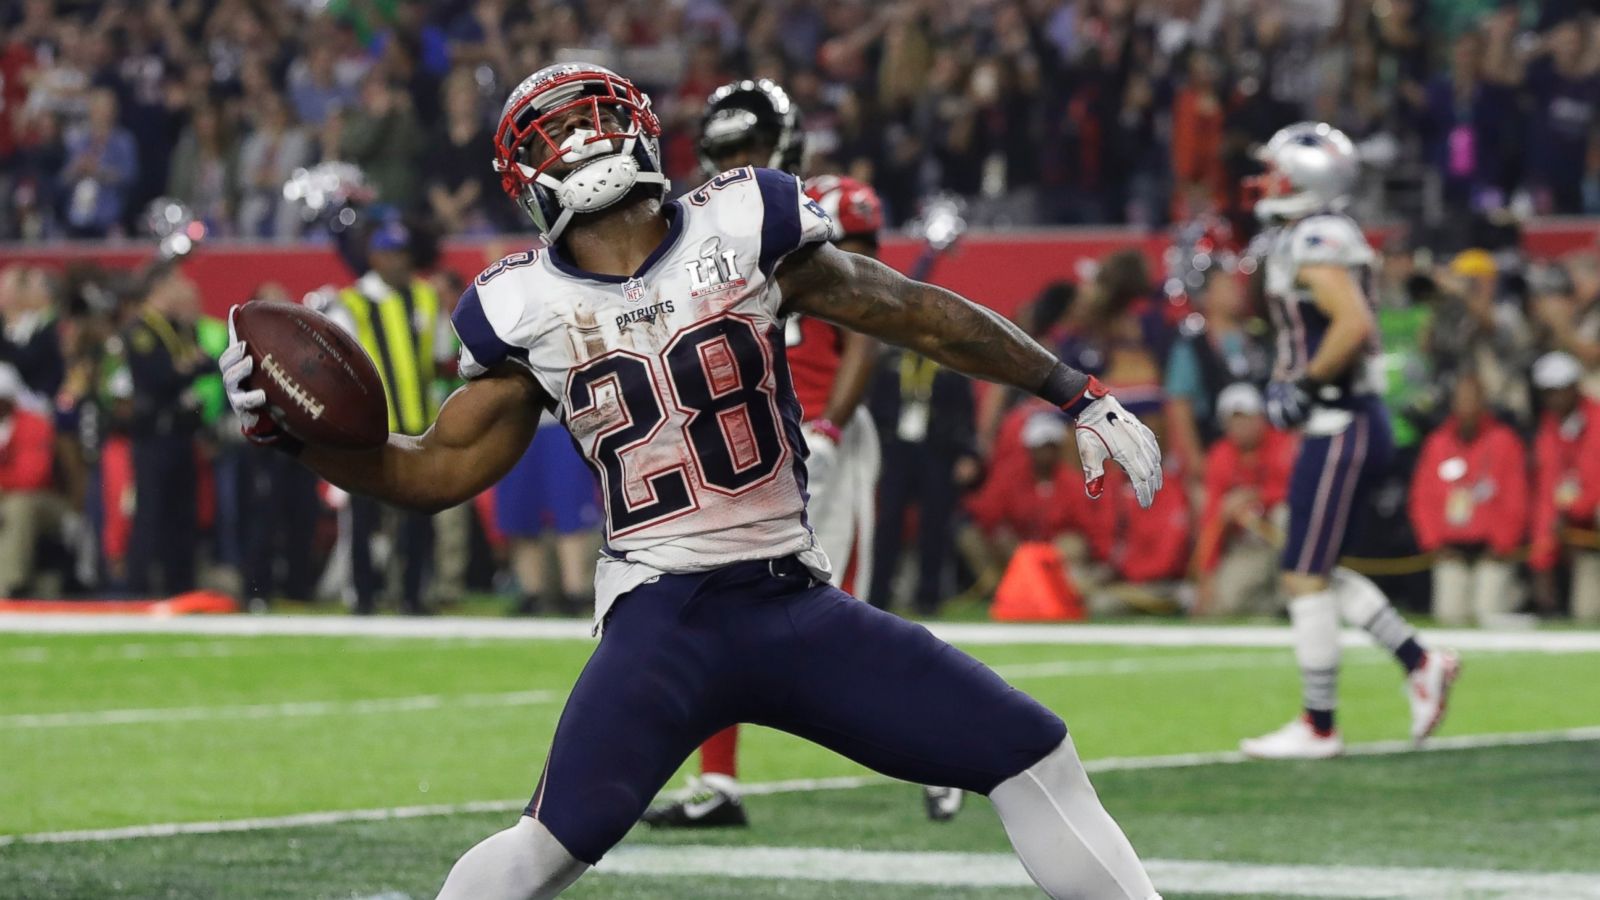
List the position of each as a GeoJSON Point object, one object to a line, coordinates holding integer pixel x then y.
{"type": "Point", "coordinates": [214, 765]}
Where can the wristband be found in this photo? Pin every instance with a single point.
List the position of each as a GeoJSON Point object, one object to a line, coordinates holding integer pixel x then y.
{"type": "Point", "coordinates": [1319, 391]}
{"type": "Point", "coordinates": [1070, 389]}
{"type": "Point", "coordinates": [827, 429]}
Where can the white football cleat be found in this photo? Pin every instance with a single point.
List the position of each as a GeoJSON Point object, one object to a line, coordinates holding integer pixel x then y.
{"type": "Point", "coordinates": [942, 803]}
{"type": "Point", "coordinates": [1428, 689]}
{"type": "Point", "coordinates": [1296, 740]}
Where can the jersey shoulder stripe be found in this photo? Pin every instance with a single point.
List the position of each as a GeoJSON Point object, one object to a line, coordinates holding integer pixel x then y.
{"type": "Point", "coordinates": [780, 216]}
{"type": "Point", "coordinates": [480, 321]}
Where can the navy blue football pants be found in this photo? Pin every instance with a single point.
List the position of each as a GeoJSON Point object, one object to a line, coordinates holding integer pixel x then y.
{"type": "Point", "coordinates": [685, 656]}
{"type": "Point", "coordinates": [1331, 475]}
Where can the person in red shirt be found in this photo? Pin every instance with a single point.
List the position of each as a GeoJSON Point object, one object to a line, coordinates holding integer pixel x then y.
{"type": "Point", "coordinates": [1038, 496]}
{"type": "Point", "coordinates": [1469, 508]}
{"type": "Point", "coordinates": [1148, 549]}
{"type": "Point", "coordinates": [17, 62]}
{"type": "Point", "coordinates": [27, 470]}
{"type": "Point", "coordinates": [1246, 487]}
{"type": "Point", "coordinates": [1566, 487]}
{"type": "Point", "coordinates": [754, 123]}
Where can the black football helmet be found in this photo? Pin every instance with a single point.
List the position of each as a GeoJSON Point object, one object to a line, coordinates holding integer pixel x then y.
{"type": "Point", "coordinates": [746, 111]}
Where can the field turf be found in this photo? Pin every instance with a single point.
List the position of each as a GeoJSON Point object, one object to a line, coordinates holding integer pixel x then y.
{"type": "Point", "coordinates": [122, 730]}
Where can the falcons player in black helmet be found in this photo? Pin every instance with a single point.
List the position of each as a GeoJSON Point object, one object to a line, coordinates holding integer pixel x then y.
{"type": "Point", "coordinates": [753, 121]}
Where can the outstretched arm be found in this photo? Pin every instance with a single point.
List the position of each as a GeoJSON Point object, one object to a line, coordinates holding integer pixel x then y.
{"type": "Point", "coordinates": [481, 432]}
{"type": "Point", "coordinates": [865, 295]}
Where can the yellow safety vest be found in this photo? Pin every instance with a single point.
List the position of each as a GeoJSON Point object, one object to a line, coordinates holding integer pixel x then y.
{"type": "Point", "coordinates": [398, 333]}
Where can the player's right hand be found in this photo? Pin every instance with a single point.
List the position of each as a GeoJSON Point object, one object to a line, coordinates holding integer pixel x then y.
{"type": "Point", "coordinates": [1288, 404]}
{"type": "Point", "coordinates": [250, 405]}
{"type": "Point", "coordinates": [1105, 430]}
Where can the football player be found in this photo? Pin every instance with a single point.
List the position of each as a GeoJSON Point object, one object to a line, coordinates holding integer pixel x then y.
{"type": "Point", "coordinates": [1318, 271]}
{"type": "Point", "coordinates": [654, 331]}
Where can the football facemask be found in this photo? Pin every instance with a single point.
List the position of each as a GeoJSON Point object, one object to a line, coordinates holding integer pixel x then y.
{"type": "Point", "coordinates": [575, 139]}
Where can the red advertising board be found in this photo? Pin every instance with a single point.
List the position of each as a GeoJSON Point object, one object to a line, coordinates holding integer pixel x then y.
{"type": "Point", "coordinates": [1003, 270]}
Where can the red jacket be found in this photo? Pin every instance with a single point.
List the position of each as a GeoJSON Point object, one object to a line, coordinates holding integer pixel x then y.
{"type": "Point", "coordinates": [27, 458]}
{"type": "Point", "coordinates": [1566, 479]}
{"type": "Point", "coordinates": [1471, 492]}
{"type": "Point", "coordinates": [1266, 469]}
{"type": "Point", "coordinates": [1033, 510]}
{"type": "Point", "coordinates": [1149, 544]}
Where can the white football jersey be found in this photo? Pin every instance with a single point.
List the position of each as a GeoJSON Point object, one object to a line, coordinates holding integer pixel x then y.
{"type": "Point", "coordinates": [673, 382]}
{"type": "Point", "coordinates": [1323, 239]}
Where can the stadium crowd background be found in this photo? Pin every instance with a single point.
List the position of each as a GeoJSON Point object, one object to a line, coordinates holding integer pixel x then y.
{"type": "Point", "coordinates": [1472, 114]}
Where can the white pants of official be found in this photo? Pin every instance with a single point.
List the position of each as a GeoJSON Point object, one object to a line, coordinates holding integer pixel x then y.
{"type": "Point", "coordinates": [1468, 591]}
{"type": "Point", "coordinates": [842, 482]}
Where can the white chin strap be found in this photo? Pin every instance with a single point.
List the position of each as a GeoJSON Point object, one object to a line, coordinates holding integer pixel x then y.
{"type": "Point", "coordinates": [603, 177]}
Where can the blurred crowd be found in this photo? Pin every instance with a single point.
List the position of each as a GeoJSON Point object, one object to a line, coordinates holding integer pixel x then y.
{"type": "Point", "coordinates": [1036, 111]}
{"type": "Point", "coordinates": [1492, 512]}
{"type": "Point", "coordinates": [1471, 114]}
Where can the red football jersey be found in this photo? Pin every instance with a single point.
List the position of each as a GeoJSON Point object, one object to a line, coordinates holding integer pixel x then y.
{"type": "Point", "coordinates": [814, 345]}
{"type": "Point", "coordinates": [814, 350]}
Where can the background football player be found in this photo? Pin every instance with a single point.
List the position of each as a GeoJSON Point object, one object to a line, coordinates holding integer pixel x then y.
{"type": "Point", "coordinates": [655, 332]}
{"type": "Point", "coordinates": [754, 123]}
{"type": "Point", "coordinates": [1318, 270]}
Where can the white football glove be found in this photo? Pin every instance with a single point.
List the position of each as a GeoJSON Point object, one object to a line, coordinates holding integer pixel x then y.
{"type": "Point", "coordinates": [249, 405]}
{"type": "Point", "coordinates": [822, 447]}
{"type": "Point", "coordinates": [1107, 431]}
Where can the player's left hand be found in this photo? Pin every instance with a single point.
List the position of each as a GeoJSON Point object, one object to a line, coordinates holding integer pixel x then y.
{"type": "Point", "coordinates": [1107, 431]}
{"type": "Point", "coordinates": [822, 446]}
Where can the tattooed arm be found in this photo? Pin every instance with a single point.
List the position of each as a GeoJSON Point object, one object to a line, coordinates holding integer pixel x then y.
{"type": "Point", "coordinates": [867, 296]}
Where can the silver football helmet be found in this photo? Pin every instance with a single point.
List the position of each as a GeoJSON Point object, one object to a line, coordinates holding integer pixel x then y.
{"type": "Point", "coordinates": [618, 149]}
{"type": "Point", "coordinates": [1311, 167]}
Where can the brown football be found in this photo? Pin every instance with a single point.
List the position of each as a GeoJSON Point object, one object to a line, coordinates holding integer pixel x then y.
{"type": "Point", "coordinates": [320, 384]}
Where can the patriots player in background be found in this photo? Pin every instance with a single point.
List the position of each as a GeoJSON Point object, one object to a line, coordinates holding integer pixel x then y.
{"type": "Point", "coordinates": [754, 123]}
{"type": "Point", "coordinates": [655, 332]}
{"type": "Point", "coordinates": [1318, 270]}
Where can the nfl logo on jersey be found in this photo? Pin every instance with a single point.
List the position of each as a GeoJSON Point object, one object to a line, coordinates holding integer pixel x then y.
{"type": "Point", "coordinates": [633, 289]}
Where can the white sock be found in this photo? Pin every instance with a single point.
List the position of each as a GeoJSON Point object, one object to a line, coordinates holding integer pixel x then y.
{"type": "Point", "coordinates": [722, 784]}
{"type": "Point", "coordinates": [1314, 619]}
{"type": "Point", "coordinates": [1364, 605]}
{"type": "Point", "coordinates": [524, 862]}
{"type": "Point", "coordinates": [1067, 841]}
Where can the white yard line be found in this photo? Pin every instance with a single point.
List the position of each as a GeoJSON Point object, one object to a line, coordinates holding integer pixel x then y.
{"type": "Point", "coordinates": [1131, 665]}
{"type": "Point", "coordinates": [1178, 634]}
{"type": "Point", "coordinates": [1003, 870]}
{"type": "Point", "coordinates": [90, 718]}
{"type": "Point", "coordinates": [432, 627]}
{"type": "Point", "coordinates": [1140, 665]}
{"type": "Point", "coordinates": [803, 785]}
{"type": "Point", "coordinates": [139, 651]}
{"type": "Point", "coordinates": [1372, 748]}
{"type": "Point", "coordinates": [300, 820]}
